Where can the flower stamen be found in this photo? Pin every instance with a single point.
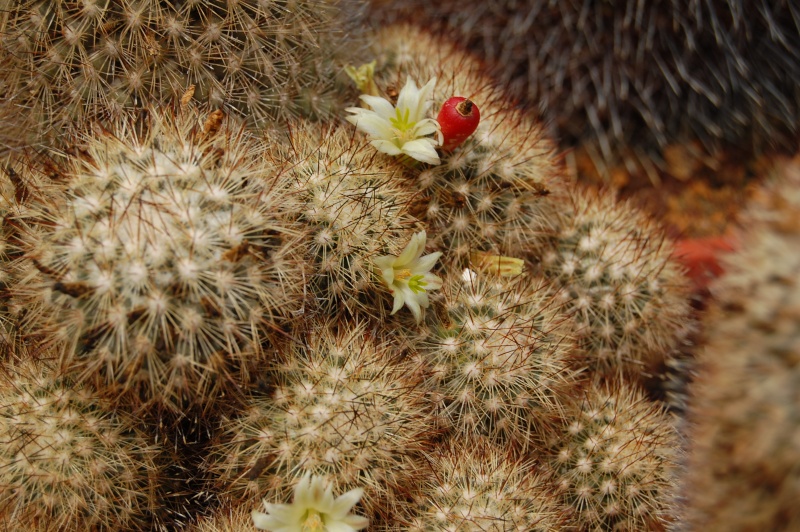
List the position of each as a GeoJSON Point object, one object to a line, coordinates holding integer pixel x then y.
{"type": "Point", "coordinates": [416, 284]}
{"type": "Point", "coordinates": [313, 523]}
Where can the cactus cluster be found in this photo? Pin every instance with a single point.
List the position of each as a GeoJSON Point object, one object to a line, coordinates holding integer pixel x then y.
{"type": "Point", "coordinates": [69, 61]}
{"type": "Point", "coordinates": [354, 207]}
{"type": "Point", "coordinates": [613, 465]}
{"type": "Point", "coordinates": [344, 405]}
{"type": "Point", "coordinates": [241, 291]}
{"type": "Point", "coordinates": [501, 358]}
{"type": "Point", "coordinates": [477, 486]}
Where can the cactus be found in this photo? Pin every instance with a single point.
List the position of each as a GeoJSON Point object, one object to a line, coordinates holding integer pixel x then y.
{"type": "Point", "coordinates": [346, 405]}
{"type": "Point", "coordinates": [741, 467]}
{"type": "Point", "coordinates": [264, 60]}
{"type": "Point", "coordinates": [354, 207]}
{"type": "Point", "coordinates": [497, 191]}
{"type": "Point", "coordinates": [19, 128]}
{"type": "Point", "coordinates": [226, 520]}
{"type": "Point", "coordinates": [66, 461]}
{"type": "Point", "coordinates": [474, 485]}
{"type": "Point", "coordinates": [233, 293]}
{"type": "Point", "coordinates": [7, 317]}
{"type": "Point", "coordinates": [628, 296]}
{"type": "Point", "coordinates": [613, 464]}
{"type": "Point", "coordinates": [162, 260]}
{"type": "Point", "coordinates": [626, 78]}
{"type": "Point", "coordinates": [501, 357]}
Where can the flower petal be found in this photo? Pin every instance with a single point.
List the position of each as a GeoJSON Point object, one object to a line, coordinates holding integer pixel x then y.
{"type": "Point", "coordinates": [372, 124]}
{"type": "Point", "coordinates": [384, 261]}
{"type": "Point", "coordinates": [412, 251]}
{"type": "Point", "coordinates": [356, 521]}
{"type": "Point", "coordinates": [412, 303]}
{"type": "Point", "coordinates": [422, 150]}
{"type": "Point", "coordinates": [344, 502]}
{"type": "Point", "coordinates": [422, 299]}
{"type": "Point", "coordinates": [381, 106]}
{"type": "Point", "coordinates": [408, 99]}
{"type": "Point", "coordinates": [399, 299]}
{"type": "Point", "coordinates": [434, 282]}
{"type": "Point", "coordinates": [265, 522]}
{"type": "Point", "coordinates": [388, 276]}
{"type": "Point", "coordinates": [424, 96]}
{"type": "Point", "coordinates": [385, 146]}
{"type": "Point", "coordinates": [426, 127]}
{"type": "Point", "coordinates": [426, 263]}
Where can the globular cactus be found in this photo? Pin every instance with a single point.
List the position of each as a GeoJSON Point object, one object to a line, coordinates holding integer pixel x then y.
{"type": "Point", "coordinates": [744, 404]}
{"type": "Point", "coordinates": [613, 466]}
{"type": "Point", "coordinates": [501, 353]}
{"type": "Point", "coordinates": [67, 462]}
{"type": "Point", "coordinates": [497, 191]}
{"type": "Point", "coordinates": [624, 78]}
{"type": "Point", "coordinates": [474, 485]}
{"type": "Point", "coordinates": [347, 404]}
{"type": "Point", "coordinates": [628, 295]}
{"type": "Point", "coordinates": [161, 259]}
{"type": "Point", "coordinates": [70, 60]}
{"type": "Point", "coordinates": [354, 206]}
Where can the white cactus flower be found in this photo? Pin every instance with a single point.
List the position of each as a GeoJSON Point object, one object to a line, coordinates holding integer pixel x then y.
{"type": "Point", "coordinates": [408, 275]}
{"type": "Point", "coordinates": [313, 509]}
{"type": "Point", "coordinates": [403, 129]}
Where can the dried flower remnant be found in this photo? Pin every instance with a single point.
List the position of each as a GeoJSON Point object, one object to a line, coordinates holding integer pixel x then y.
{"type": "Point", "coordinates": [496, 264]}
{"type": "Point", "coordinates": [363, 77]}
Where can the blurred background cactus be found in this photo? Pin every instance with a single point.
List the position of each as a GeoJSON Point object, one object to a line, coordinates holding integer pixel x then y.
{"type": "Point", "coordinates": [625, 79]}
{"type": "Point", "coordinates": [202, 267]}
{"type": "Point", "coordinates": [741, 471]}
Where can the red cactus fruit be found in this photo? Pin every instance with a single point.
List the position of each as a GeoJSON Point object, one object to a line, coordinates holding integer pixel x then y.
{"type": "Point", "coordinates": [458, 118]}
{"type": "Point", "coordinates": [701, 257]}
